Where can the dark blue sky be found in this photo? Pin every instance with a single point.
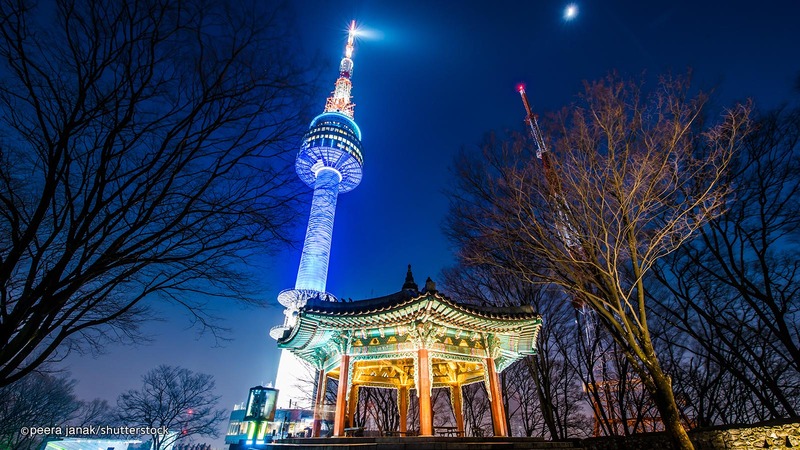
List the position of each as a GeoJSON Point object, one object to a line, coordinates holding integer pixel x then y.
{"type": "Point", "coordinates": [435, 77]}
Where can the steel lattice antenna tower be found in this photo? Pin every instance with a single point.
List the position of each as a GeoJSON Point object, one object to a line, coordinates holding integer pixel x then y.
{"type": "Point", "coordinates": [563, 225]}
{"type": "Point", "coordinates": [584, 316]}
{"type": "Point", "coordinates": [330, 160]}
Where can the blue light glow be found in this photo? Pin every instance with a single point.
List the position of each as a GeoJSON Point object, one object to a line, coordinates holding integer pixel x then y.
{"type": "Point", "coordinates": [313, 271]}
{"type": "Point", "coordinates": [333, 140]}
{"type": "Point", "coordinates": [340, 116]}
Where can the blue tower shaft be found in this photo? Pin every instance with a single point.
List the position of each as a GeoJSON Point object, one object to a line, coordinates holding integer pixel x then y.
{"type": "Point", "coordinates": [313, 272]}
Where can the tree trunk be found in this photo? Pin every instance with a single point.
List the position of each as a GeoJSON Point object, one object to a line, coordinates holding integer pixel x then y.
{"type": "Point", "coordinates": [545, 402]}
{"type": "Point", "coordinates": [665, 402]}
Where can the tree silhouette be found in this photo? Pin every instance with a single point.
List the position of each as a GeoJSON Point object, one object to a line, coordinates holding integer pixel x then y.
{"type": "Point", "coordinates": [175, 398]}
{"type": "Point", "coordinates": [734, 291]}
{"type": "Point", "coordinates": [142, 147]}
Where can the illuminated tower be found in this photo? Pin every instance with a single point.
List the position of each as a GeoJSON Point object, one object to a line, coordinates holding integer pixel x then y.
{"type": "Point", "coordinates": [330, 161]}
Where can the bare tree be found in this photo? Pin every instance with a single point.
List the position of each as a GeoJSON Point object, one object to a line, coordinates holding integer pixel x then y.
{"type": "Point", "coordinates": [477, 412]}
{"type": "Point", "coordinates": [703, 386]}
{"type": "Point", "coordinates": [94, 412]}
{"type": "Point", "coordinates": [734, 291]}
{"type": "Point", "coordinates": [523, 412]}
{"type": "Point", "coordinates": [621, 404]}
{"type": "Point", "coordinates": [379, 408]}
{"type": "Point", "coordinates": [37, 400]}
{"type": "Point", "coordinates": [634, 178]}
{"type": "Point", "coordinates": [178, 399]}
{"type": "Point", "coordinates": [141, 154]}
{"type": "Point", "coordinates": [44, 400]}
{"type": "Point", "coordinates": [441, 407]}
{"type": "Point", "coordinates": [328, 404]}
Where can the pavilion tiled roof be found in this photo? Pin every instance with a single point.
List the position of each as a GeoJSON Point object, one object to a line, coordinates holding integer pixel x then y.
{"type": "Point", "coordinates": [321, 321]}
{"type": "Point", "coordinates": [403, 298]}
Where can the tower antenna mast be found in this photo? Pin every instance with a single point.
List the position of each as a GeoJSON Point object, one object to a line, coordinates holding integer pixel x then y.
{"type": "Point", "coordinates": [533, 124]}
{"type": "Point", "coordinates": [563, 224]}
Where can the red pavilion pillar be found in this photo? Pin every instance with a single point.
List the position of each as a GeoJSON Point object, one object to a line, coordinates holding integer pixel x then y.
{"type": "Point", "coordinates": [341, 397]}
{"type": "Point", "coordinates": [319, 399]}
{"type": "Point", "coordinates": [424, 393]}
{"type": "Point", "coordinates": [458, 409]}
{"type": "Point", "coordinates": [498, 411]}
{"type": "Point", "coordinates": [402, 406]}
{"type": "Point", "coordinates": [352, 404]}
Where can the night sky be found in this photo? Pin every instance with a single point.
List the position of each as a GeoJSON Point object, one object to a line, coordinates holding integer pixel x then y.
{"type": "Point", "coordinates": [431, 78]}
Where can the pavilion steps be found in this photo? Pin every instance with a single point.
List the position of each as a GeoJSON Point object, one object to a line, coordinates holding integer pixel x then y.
{"type": "Point", "coordinates": [419, 443]}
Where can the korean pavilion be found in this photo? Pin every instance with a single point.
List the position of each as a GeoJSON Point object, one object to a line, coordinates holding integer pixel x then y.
{"type": "Point", "coordinates": [411, 340]}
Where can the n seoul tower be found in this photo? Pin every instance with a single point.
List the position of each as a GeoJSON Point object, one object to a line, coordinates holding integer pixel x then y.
{"type": "Point", "coordinates": [330, 161]}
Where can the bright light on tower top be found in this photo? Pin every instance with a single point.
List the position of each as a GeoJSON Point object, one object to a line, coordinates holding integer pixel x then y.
{"type": "Point", "coordinates": [571, 11]}
{"type": "Point", "coordinates": [339, 101]}
{"type": "Point", "coordinates": [351, 36]}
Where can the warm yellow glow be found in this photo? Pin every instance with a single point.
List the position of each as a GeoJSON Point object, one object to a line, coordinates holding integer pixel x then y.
{"type": "Point", "coordinates": [394, 373]}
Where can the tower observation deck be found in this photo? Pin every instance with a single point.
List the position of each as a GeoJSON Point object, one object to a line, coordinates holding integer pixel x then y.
{"type": "Point", "coordinates": [330, 160]}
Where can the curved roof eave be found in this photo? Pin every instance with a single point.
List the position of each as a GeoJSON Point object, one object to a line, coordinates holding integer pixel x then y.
{"type": "Point", "coordinates": [401, 308]}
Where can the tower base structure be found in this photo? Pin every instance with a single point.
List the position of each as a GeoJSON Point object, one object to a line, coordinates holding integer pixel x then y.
{"type": "Point", "coordinates": [295, 382]}
{"type": "Point", "coordinates": [295, 379]}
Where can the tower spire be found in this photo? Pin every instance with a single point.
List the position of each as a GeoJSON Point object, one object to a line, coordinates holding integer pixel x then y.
{"type": "Point", "coordinates": [330, 161]}
{"type": "Point", "coordinates": [339, 101]}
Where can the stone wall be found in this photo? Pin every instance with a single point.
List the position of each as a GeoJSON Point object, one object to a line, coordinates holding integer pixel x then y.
{"type": "Point", "coordinates": [773, 435]}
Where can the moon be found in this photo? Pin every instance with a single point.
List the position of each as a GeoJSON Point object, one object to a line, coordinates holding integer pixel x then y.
{"type": "Point", "coordinates": [571, 11]}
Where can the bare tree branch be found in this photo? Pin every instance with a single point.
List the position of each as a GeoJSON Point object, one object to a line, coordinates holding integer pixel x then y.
{"type": "Point", "coordinates": [177, 399]}
{"type": "Point", "coordinates": [733, 290]}
{"type": "Point", "coordinates": [142, 154]}
{"type": "Point", "coordinates": [637, 177]}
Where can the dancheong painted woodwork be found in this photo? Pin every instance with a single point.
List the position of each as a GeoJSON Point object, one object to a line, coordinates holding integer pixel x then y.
{"type": "Point", "coordinates": [412, 340]}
